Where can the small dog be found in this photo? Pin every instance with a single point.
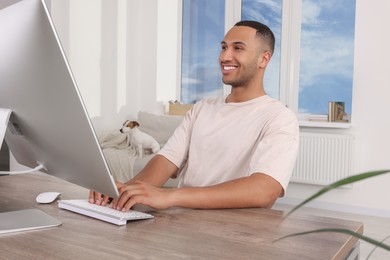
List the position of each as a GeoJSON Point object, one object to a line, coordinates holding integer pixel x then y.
{"type": "Point", "coordinates": [139, 139]}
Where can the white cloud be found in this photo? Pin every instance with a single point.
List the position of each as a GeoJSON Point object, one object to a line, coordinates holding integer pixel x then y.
{"type": "Point", "coordinates": [272, 20]}
{"type": "Point", "coordinates": [324, 55]}
{"type": "Point", "coordinates": [324, 51]}
{"type": "Point", "coordinates": [311, 13]}
{"type": "Point", "coordinates": [190, 81]}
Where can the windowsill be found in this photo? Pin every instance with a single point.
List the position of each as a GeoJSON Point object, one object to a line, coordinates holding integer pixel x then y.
{"type": "Point", "coordinates": [325, 124]}
{"type": "Point", "coordinates": [305, 121]}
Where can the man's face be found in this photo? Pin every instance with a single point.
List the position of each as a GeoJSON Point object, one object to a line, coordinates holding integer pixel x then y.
{"type": "Point", "coordinates": [239, 57]}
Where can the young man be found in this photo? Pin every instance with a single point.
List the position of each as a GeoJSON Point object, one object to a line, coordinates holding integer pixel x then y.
{"type": "Point", "coordinates": [232, 152]}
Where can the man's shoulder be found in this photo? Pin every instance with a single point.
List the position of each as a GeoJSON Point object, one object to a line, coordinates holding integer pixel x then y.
{"type": "Point", "coordinates": [276, 111]}
{"type": "Point", "coordinates": [277, 104]}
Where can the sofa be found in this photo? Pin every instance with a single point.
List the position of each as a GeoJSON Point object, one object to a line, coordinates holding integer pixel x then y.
{"type": "Point", "coordinates": [161, 128]}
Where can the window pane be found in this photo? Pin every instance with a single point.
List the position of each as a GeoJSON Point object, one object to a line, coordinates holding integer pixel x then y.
{"type": "Point", "coordinates": [327, 45]}
{"type": "Point", "coordinates": [269, 13]}
{"type": "Point", "coordinates": [203, 30]}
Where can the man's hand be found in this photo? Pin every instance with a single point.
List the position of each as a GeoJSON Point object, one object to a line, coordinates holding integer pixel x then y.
{"type": "Point", "coordinates": [139, 192]}
{"type": "Point", "coordinates": [143, 188]}
{"type": "Point", "coordinates": [100, 199]}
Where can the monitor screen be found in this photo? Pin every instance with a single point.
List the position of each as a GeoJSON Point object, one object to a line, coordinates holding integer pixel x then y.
{"type": "Point", "coordinates": [49, 123]}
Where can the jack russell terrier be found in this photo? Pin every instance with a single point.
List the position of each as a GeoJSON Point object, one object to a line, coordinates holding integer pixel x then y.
{"type": "Point", "coordinates": [139, 139]}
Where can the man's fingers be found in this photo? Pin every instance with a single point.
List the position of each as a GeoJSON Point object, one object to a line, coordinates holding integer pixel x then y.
{"type": "Point", "coordinates": [92, 196]}
{"type": "Point", "coordinates": [106, 200]}
{"type": "Point", "coordinates": [127, 194]}
{"type": "Point", "coordinates": [95, 197]}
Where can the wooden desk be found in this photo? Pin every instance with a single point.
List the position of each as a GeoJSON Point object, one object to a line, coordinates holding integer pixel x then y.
{"type": "Point", "coordinates": [173, 234]}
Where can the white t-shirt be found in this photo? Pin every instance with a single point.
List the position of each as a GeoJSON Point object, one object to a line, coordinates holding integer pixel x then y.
{"type": "Point", "coordinates": [219, 141]}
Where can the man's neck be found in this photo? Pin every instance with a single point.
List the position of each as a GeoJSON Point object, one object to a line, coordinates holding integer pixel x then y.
{"type": "Point", "coordinates": [240, 94]}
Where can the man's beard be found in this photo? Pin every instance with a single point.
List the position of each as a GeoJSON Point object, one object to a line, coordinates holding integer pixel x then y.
{"type": "Point", "coordinates": [243, 79]}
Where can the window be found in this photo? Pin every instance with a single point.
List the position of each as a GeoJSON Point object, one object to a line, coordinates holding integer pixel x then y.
{"type": "Point", "coordinates": [313, 59]}
{"type": "Point", "coordinates": [326, 55]}
{"type": "Point", "coordinates": [202, 32]}
{"type": "Point", "coordinates": [269, 13]}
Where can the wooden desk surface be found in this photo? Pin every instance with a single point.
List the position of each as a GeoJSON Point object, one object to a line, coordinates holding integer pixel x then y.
{"type": "Point", "coordinates": [173, 234]}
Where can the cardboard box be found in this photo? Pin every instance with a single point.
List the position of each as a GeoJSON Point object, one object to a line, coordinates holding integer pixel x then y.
{"type": "Point", "coordinates": [179, 109]}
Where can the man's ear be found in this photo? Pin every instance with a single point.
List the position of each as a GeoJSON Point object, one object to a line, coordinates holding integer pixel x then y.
{"type": "Point", "coordinates": [264, 59]}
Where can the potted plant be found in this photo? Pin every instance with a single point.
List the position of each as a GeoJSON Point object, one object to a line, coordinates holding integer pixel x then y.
{"type": "Point", "coordinates": [348, 180]}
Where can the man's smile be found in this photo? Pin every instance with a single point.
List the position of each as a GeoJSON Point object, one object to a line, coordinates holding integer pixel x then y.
{"type": "Point", "coordinates": [228, 68]}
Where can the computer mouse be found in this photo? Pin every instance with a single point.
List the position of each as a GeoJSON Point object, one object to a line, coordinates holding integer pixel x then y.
{"type": "Point", "coordinates": [47, 197]}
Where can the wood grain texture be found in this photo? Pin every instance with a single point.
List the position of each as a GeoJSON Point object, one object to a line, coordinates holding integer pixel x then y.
{"type": "Point", "coordinates": [173, 234]}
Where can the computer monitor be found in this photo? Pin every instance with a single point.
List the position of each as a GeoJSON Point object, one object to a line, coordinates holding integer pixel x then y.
{"type": "Point", "coordinates": [49, 123]}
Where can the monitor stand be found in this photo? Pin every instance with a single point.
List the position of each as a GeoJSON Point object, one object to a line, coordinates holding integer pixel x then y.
{"type": "Point", "coordinates": [24, 220]}
{"type": "Point", "coordinates": [4, 118]}
{"type": "Point", "coordinates": [21, 220]}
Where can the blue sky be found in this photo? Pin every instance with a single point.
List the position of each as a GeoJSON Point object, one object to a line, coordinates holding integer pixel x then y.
{"type": "Point", "coordinates": [327, 48]}
{"type": "Point", "coordinates": [269, 13]}
{"type": "Point", "coordinates": [203, 30]}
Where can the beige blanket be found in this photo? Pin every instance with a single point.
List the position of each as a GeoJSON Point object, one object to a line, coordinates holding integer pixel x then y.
{"type": "Point", "coordinates": [119, 154]}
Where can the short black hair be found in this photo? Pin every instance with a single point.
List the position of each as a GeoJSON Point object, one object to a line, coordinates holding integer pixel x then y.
{"type": "Point", "coordinates": [262, 30]}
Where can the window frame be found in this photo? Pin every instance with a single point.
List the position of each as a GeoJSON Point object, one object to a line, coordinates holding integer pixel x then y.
{"type": "Point", "coordinates": [290, 57]}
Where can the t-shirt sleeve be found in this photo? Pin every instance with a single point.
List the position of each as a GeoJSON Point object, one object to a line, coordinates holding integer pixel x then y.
{"type": "Point", "coordinates": [276, 152]}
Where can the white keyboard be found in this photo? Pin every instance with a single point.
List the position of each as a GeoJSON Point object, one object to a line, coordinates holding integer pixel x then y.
{"type": "Point", "coordinates": [104, 213]}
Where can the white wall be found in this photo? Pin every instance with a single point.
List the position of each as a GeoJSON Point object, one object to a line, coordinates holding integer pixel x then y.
{"type": "Point", "coordinates": [114, 49]}
{"type": "Point", "coordinates": [371, 122]}
{"type": "Point", "coordinates": [168, 50]}
{"type": "Point", "coordinates": [141, 75]}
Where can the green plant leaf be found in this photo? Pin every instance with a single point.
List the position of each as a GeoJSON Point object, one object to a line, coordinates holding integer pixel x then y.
{"type": "Point", "coordinates": [337, 184]}
{"type": "Point", "coordinates": [339, 230]}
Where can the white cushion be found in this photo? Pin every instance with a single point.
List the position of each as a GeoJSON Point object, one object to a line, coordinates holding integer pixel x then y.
{"type": "Point", "coordinates": [160, 127]}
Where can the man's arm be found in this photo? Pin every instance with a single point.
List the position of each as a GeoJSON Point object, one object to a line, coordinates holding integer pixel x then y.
{"type": "Point", "coordinates": [156, 172]}
{"type": "Point", "coordinates": [257, 190]}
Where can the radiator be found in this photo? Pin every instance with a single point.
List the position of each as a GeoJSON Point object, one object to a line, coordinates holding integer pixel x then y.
{"type": "Point", "coordinates": [323, 158]}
